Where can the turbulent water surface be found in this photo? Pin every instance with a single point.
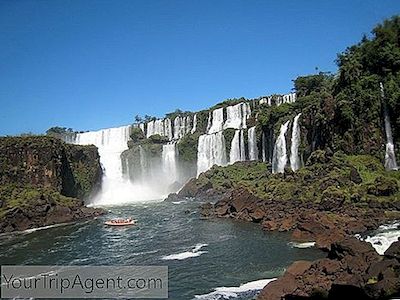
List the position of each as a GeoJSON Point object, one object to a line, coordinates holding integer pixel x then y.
{"type": "Point", "coordinates": [207, 259]}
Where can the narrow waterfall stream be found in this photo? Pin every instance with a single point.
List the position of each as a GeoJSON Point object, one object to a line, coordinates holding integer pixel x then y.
{"type": "Point", "coordinates": [295, 142]}
{"type": "Point", "coordinates": [390, 156]}
{"type": "Point", "coordinates": [280, 158]}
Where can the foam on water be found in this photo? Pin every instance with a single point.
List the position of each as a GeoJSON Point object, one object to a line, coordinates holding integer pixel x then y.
{"type": "Point", "coordinates": [188, 254]}
{"type": "Point", "coordinates": [235, 291]}
{"type": "Point", "coordinates": [384, 237]}
{"type": "Point", "coordinates": [302, 245]}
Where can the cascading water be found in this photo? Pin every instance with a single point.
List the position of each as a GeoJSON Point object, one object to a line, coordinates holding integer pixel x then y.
{"type": "Point", "coordinates": [168, 128]}
{"type": "Point", "coordinates": [252, 142]}
{"type": "Point", "coordinates": [182, 126]}
{"type": "Point", "coordinates": [237, 152]}
{"type": "Point", "coordinates": [143, 162]}
{"type": "Point", "coordinates": [217, 121]}
{"type": "Point", "coordinates": [150, 129]}
{"type": "Point", "coordinates": [211, 147]}
{"type": "Point", "coordinates": [188, 127]}
{"type": "Point", "coordinates": [288, 98]}
{"type": "Point", "coordinates": [390, 156]}
{"type": "Point", "coordinates": [194, 128]}
{"type": "Point", "coordinates": [110, 143]}
{"type": "Point", "coordinates": [237, 115]}
{"type": "Point", "coordinates": [264, 148]}
{"type": "Point", "coordinates": [210, 151]}
{"type": "Point", "coordinates": [169, 162]}
{"type": "Point", "coordinates": [295, 142]}
{"type": "Point", "coordinates": [279, 160]}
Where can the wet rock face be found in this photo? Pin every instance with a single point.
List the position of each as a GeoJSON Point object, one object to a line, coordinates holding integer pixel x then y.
{"type": "Point", "coordinates": [43, 181]}
{"type": "Point", "coordinates": [36, 161]}
{"type": "Point", "coordinates": [41, 161]}
{"type": "Point", "coordinates": [355, 176]}
{"type": "Point", "coordinates": [393, 251]}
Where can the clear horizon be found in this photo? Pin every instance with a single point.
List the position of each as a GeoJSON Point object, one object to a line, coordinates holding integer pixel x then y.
{"type": "Point", "coordinates": [96, 64]}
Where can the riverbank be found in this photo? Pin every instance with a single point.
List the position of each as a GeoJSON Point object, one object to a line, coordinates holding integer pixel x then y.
{"type": "Point", "coordinates": [352, 266]}
{"type": "Point", "coordinates": [326, 203]}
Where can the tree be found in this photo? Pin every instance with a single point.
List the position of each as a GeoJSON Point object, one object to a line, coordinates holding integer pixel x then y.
{"type": "Point", "coordinates": [138, 119]}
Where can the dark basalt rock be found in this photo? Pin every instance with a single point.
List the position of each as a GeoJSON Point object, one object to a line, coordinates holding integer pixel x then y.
{"type": "Point", "coordinates": [45, 213]}
{"type": "Point", "coordinates": [43, 181]}
{"type": "Point", "coordinates": [353, 270]}
{"type": "Point", "coordinates": [355, 176]}
{"type": "Point", "coordinates": [393, 251]}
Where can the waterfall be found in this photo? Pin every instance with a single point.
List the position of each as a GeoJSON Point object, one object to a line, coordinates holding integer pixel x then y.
{"type": "Point", "coordinates": [295, 142]}
{"type": "Point", "coordinates": [141, 126]}
{"type": "Point", "coordinates": [288, 98]}
{"type": "Point", "coordinates": [209, 121]}
{"type": "Point", "coordinates": [177, 128]}
{"type": "Point", "coordinates": [150, 129]}
{"type": "Point", "coordinates": [182, 126]}
{"type": "Point", "coordinates": [280, 156]}
{"type": "Point", "coordinates": [210, 151]}
{"type": "Point", "coordinates": [188, 126]}
{"type": "Point", "coordinates": [264, 148]}
{"type": "Point", "coordinates": [169, 162]}
{"type": "Point", "coordinates": [390, 156]}
{"type": "Point", "coordinates": [194, 128]}
{"type": "Point", "coordinates": [252, 143]}
{"type": "Point", "coordinates": [143, 161]}
{"type": "Point", "coordinates": [168, 128]}
{"type": "Point", "coordinates": [237, 115]}
{"type": "Point", "coordinates": [237, 152]}
{"type": "Point", "coordinates": [110, 143]}
{"type": "Point", "coordinates": [216, 124]}
{"type": "Point", "coordinates": [162, 127]}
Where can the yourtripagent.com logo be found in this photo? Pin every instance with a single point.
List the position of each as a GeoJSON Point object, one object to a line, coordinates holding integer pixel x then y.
{"type": "Point", "coordinates": [84, 282]}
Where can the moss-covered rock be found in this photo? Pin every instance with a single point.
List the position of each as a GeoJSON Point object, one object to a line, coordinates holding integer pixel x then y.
{"type": "Point", "coordinates": [187, 148]}
{"type": "Point", "coordinates": [32, 206]}
{"type": "Point", "coordinates": [228, 135]}
{"type": "Point", "coordinates": [85, 165]}
{"type": "Point", "coordinates": [326, 180]}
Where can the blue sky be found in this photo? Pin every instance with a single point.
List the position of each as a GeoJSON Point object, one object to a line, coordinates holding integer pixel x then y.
{"type": "Point", "coordinates": [94, 64]}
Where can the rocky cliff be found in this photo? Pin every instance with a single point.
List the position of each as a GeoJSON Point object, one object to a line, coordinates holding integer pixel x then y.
{"type": "Point", "coordinates": [44, 181]}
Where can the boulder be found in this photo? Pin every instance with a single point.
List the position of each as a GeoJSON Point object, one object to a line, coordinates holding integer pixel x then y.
{"type": "Point", "coordinates": [355, 176]}
{"type": "Point", "coordinates": [393, 251]}
{"type": "Point", "coordinates": [351, 246]}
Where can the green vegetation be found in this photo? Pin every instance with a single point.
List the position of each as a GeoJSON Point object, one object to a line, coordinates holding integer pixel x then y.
{"type": "Point", "coordinates": [325, 179]}
{"type": "Point", "coordinates": [137, 134]}
{"type": "Point", "coordinates": [344, 112]}
{"type": "Point", "coordinates": [84, 162]}
{"type": "Point", "coordinates": [176, 113]}
{"type": "Point", "coordinates": [28, 197]}
{"type": "Point", "coordinates": [61, 132]}
{"type": "Point", "coordinates": [228, 135]}
{"type": "Point", "coordinates": [187, 148]}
